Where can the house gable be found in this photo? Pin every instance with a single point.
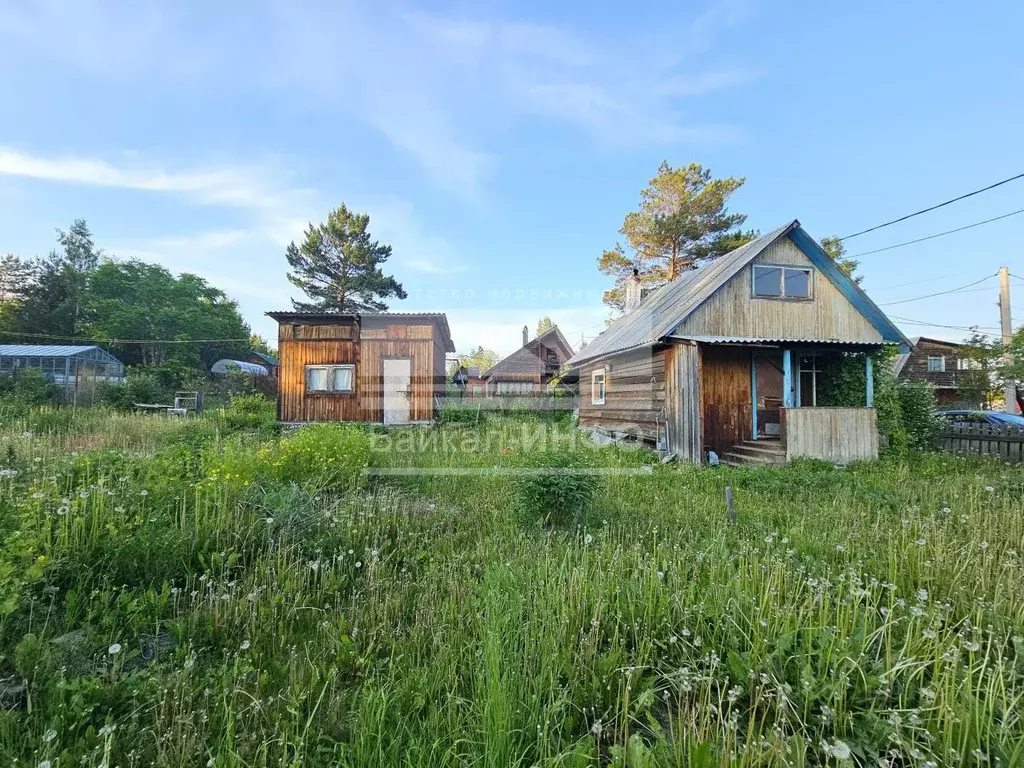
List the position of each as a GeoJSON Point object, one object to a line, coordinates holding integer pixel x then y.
{"type": "Point", "coordinates": [733, 311]}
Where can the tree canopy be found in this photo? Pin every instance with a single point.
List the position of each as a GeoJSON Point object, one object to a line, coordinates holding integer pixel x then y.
{"type": "Point", "coordinates": [544, 325]}
{"type": "Point", "coordinates": [834, 247]}
{"type": "Point", "coordinates": [682, 218]}
{"type": "Point", "coordinates": [337, 266]}
{"type": "Point", "coordinates": [479, 358]}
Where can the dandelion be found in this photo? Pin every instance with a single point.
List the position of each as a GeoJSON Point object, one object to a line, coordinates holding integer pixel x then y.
{"type": "Point", "coordinates": [840, 750]}
{"type": "Point", "coordinates": [38, 495]}
{"type": "Point", "coordinates": [840, 548]}
{"type": "Point", "coordinates": [119, 509]}
{"type": "Point", "coordinates": [143, 492]}
{"type": "Point", "coordinates": [268, 520]}
{"type": "Point", "coordinates": [245, 645]}
{"type": "Point", "coordinates": [983, 545]}
{"type": "Point", "coordinates": [989, 489]}
{"type": "Point", "coordinates": [106, 730]}
{"type": "Point", "coordinates": [114, 649]}
{"type": "Point", "coordinates": [922, 595]}
{"type": "Point", "coordinates": [970, 645]}
{"type": "Point", "coordinates": [83, 495]}
{"type": "Point", "coordinates": [596, 728]}
{"type": "Point", "coordinates": [44, 764]}
{"type": "Point", "coordinates": [359, 563]}
{"type": "Point", "coordinates": [49, 736]}
{"type": "Point", "coordinates": [661, 575]}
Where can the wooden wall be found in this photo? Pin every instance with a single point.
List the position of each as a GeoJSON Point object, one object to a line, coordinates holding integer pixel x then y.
{"type": "Point", "coordinates": [302, 345]}
{"type": "Point", "coordinates": [293, 404]}
{"type": "Point", "coordinates": [725, 396]}
{"type": "Point", "coordinates": [834, 434]}
{"type": "Point", "coordinates": [634, 394]}
{"type": "Point", "coordinates": [683, 401]}
{"type": "Point", "coordinates": [732, 311]}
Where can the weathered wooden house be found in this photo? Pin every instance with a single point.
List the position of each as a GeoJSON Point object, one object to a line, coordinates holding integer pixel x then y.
{"type": "Point", "coordinates": [729, 358]}
{"type": "Point", "coordinates": [529, 369]}
{"type": "Point", "coordinates": [385, 368]}
{"type": "Point", "coordinates": [939, 363]}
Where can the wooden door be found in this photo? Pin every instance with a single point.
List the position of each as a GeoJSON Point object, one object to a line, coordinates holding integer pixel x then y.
{"type": "Point", "coordinates": [397, 390]}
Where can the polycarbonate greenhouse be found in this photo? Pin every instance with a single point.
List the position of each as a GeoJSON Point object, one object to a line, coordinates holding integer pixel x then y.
{"type": "Point", "coordinates": [75, 369]}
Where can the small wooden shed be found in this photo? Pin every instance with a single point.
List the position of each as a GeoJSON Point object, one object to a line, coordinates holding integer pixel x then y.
{"type": "Point", "coordinates": [384, 367]}
{"type": "Point", "coordinates": [729, 358]}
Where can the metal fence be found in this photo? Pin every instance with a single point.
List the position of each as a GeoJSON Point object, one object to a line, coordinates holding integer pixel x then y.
{"type": "Point", "coordinates": [1004, 442]}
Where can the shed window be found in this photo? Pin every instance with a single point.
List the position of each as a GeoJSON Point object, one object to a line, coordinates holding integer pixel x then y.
{"type": "Point", "coordinates": [782, 282]}
{"type": "Point", "coordinates": [937, 364]}
{"type": "Point", "coordinates": [597, 390]}
{"type": "Point", "coordinates": [330, 378]}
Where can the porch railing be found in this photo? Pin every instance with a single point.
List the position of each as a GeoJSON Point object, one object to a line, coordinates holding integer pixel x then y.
{"type": "Point", "coordinates": [841, 435]}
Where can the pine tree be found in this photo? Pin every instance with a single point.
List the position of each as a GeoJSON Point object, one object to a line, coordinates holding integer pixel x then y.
{"type": "Point", "coordinates": [15, 277]}
{"type": "Point", "coordinates": [338, 266]}
{"type": "Point", "coordinates": [681, 220]}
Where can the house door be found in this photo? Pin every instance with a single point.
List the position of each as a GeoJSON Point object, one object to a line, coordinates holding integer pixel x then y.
{"type": "Point", "coordinates": [768, 387]}
{"type": "Point", "coordinates": [397, 390]}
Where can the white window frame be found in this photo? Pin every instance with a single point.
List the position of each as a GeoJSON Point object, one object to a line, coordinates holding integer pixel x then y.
{"type": "Point", "coordinates": [782, 282]}
{"type": "Point", "coordinates": [942, 363]}
{"type": "Point", "coordinates": [330, 369]}
{"type": "Point", "coordinates": [597, 377]}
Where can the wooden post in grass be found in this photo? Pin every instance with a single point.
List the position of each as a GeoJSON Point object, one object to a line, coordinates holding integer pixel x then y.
{"type": "Point", "coordinates": [731, 507]}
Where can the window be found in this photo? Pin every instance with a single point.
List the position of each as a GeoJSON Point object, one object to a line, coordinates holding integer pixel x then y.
{"type": "Point", "coordinates": [810, 376]}
{"type": "Point", "coordinates": [597, 388]}
{"type": "Point", "coordinates": [782, 282]}
{"type": "Point", "coordinates": [966, 364]}
{"type": "Point", "coordinates": [330, 378]}
{"type": "Point", "coordinates": [936, 364]}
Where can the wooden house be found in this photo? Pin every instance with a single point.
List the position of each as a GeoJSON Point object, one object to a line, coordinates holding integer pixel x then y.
{"type": "Point", "coordinates": [730, 358]}
{"type": "Point", "coordinates": [529, 369]}
{"type": "Point", "coordinates": [939, 363]}
{"type": "Point", "coordinates": [385, 368]}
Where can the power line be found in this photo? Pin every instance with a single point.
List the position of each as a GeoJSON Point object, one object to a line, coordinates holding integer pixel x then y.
{"type": "Point", "coordinates": [123, 341]}
{"type": "Point", "coordinates": [938, 234]}
{"type": "Point", "coordinates": [933, 207]}
{"type": "Point", "coordinates": [917, 282]}
{"type": "Point", "coordinates": [940, 325]}
{"type": "Point", "coordinates": [962, 289]}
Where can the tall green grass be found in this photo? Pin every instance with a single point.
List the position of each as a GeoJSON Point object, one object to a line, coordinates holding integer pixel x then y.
{"type": "Point", "coordinates": [171, 596]}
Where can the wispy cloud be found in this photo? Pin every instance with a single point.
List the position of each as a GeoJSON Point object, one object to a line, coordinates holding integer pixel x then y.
{"type": "Point", "coordinates": [239, 187]}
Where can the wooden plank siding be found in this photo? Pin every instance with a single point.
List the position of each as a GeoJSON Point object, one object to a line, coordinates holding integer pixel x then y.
{"type": "Point", "coordinates": [834, 434]}
{"type": "Point", "coordinates": [683, 401]}
{"type": "Point", "coordinates": [344, 343]}
{"type": "Point", "coordinates": [732, 310]}
{"type": "Point", "coordinates": [725, 396]}
{"type": "Point", "coordinates": [634, 394]}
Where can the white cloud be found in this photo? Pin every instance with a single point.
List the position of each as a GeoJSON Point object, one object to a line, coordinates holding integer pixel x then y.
{"type": "Point", "coordinates": [238, 187]}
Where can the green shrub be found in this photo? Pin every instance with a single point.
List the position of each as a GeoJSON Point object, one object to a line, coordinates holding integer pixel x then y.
{"type": "Point", "coordinates": [559, 490]}
{"type": "Point", "coordinates": [324, 456]}
{"type": "Point", "coordinates": [29, 387]}
{"type": "Point", "coordinates": [138, 387]}
{"type": "Point", "coordinates": [252, 411]}
{"type": "Point", "coordinates": [917, 406]}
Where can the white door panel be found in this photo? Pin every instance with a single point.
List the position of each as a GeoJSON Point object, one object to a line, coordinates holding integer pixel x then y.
{"type": "Point", "coordinates": [397, 390]}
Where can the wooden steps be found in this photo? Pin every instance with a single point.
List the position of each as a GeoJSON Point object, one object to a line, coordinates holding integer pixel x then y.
{"type": "Point", "coordinates": [765, 452]}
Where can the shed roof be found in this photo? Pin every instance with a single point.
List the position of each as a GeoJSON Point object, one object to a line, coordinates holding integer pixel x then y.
{"type": "Point", "coordinates": [265, 358]}
{"type": "Point", "coordinates": [438, 318]}
{"type": "Point", "coordinates": [666, 307]}
{"type": "Point", "coordinates": [46, 350]}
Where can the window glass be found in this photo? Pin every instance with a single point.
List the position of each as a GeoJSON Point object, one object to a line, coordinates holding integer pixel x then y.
{"type": "Point", "coordinates": [597, 389]}
{"type": "Point", "coordinates": [316, 379]}
{"type": "Point", "coordinates": [342, 379]}
{"type": "Point", "coordinates": [767, 281]}
{"type": "Point", "coordinates": [798, 284]}
{"type": "Point", "coordinates": [936, 364]}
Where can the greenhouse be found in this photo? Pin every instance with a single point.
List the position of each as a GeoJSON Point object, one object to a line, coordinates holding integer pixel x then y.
{"type": "Point", "coordinates": [75, 369]}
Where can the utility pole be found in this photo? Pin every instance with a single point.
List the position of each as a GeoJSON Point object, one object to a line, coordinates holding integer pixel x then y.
{"type": "Point", "coordinates": [1006, 327]}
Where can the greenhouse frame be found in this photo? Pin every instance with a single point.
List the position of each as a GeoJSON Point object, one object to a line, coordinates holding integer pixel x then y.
{"type": "Point", "coordinates": [75, 369]}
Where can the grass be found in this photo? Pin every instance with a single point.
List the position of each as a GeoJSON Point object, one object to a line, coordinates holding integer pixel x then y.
{"type": "Point", "coordinates": [182, 594]}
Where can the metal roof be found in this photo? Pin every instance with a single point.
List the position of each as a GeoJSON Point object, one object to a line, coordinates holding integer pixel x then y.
{"type": "Point", "coordinates": [670, 304]}
{"type": "Point", "coordinates": [45, 350]}
{"type": "Point", "coordinates": [436, 317]}
{"type": "Point", "coordinates": [661, 312]}
{"type": "Point", "coordinates": [901, 359]}
{"type": "Point", "coordinates": [767, 341]}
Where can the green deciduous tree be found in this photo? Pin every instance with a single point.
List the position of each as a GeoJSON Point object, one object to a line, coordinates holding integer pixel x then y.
{"type": "Point", "coordinates": [544, 325]}
{"type": "Point", "coordinates": [682, 219]}
{"type": "Point", "coordinates": [139, 301]}
{"type": "Point", "coordinates": [337, 266]}
{"type": "Point", "coordinates": [479, 358]}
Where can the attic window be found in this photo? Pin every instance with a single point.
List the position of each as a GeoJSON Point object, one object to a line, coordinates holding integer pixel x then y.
{"type": "Point", "coordinates": [778, 282]}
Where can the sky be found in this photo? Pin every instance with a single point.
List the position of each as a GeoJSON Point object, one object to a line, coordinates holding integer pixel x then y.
{"type": "Point", "coordinates": [497, 146]}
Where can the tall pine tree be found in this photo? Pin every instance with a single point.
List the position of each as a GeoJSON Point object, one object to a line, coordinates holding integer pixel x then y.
{"type": "Point", "coordinates": [338, 266]}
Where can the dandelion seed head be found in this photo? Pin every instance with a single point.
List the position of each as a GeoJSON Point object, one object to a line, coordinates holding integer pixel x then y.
{"type": "Point", "coordinates": [114, 649]}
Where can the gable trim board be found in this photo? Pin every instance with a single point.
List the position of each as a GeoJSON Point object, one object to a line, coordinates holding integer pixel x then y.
{"type": "Point", "coordinates": [670, 305]}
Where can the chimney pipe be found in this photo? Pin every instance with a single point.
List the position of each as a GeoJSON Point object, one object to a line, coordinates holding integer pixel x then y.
{"type": "Point", "coordinates": [632, 292]}
{"type": "Point", "coordinates": [526, 335]}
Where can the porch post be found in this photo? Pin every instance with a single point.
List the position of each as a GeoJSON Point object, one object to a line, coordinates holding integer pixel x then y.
{"type": "Point", "coordinates": [869, 371]}
{"type": "Point", "coordinates": [787, 378]}
{"type": "Point", "coordinates": [753, 390]}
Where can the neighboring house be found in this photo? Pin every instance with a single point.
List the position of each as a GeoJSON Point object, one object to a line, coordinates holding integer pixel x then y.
{"type": "Point", "coordinates": [937, 362]}
{"type": "Point", "coordinates": [529, 369]}
{"type": "Point", "coordinates": [384, 367]}
{"type": "Point", "coordinates": [468, 381]}
{"type": "Point", "coordinates": [730, 358]}
{"type": "Point", "coordinates": [268, 362]}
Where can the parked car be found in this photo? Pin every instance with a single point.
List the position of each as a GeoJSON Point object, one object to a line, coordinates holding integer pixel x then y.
{"type": "Point", "coordinates": [981, 417]}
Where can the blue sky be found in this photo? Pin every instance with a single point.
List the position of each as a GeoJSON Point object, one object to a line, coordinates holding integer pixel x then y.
{"type": "Point", "coordinates": [497, 146]}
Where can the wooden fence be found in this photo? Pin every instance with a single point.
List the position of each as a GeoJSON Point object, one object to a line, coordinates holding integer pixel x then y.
{"type": "Point", "coordinates": [1005, 441]}
{"type": "Point", "coordinates": [512, 403]}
